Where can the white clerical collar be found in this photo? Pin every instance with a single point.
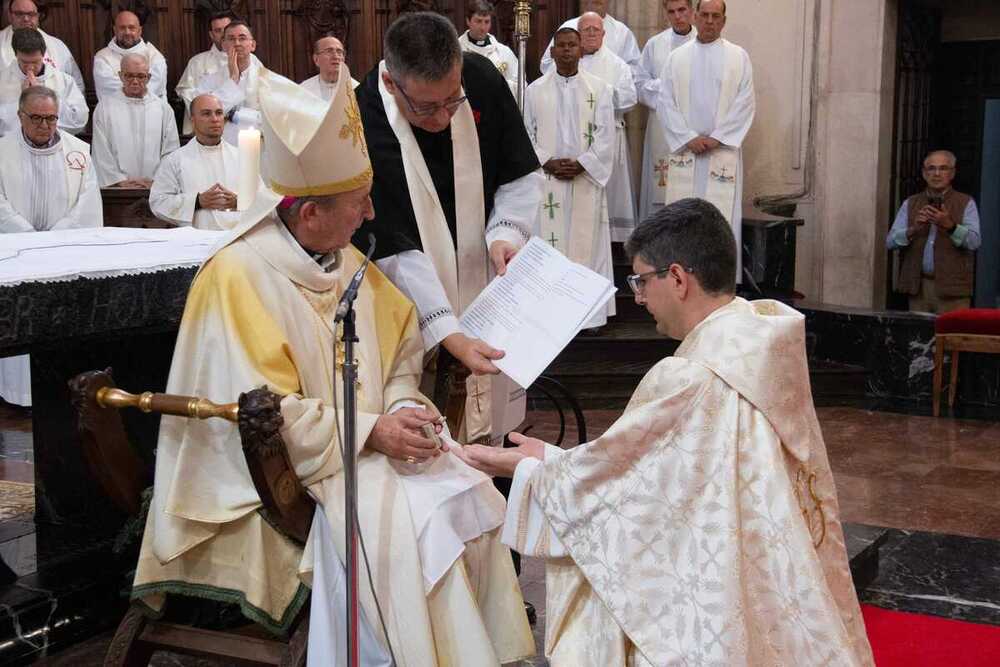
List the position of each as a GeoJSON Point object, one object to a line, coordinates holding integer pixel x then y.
{"type": "Point", "coordinates": [566, 80]}
{"type": "Point", "coordinates": [209, 147]}
{"type": "Point", "coordinates": [702, 45]}
{"type": "Point", "coordinates": [145, 99]}
{"type": "Point", "coordinates": [687, 34]}
{"type": "Point", "coordinates": [140, 47]}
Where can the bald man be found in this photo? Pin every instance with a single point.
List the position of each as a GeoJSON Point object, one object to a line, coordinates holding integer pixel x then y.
{"type": "Point", "coordinates": [328, 55]}
{"type": "Point", "coordinates": [127, 39]}
{"type": "Point", "coordinates": [618, 37]}
{"type": "Point", "coordinates": [196, 185]}
{"type": "Point", "coordinates": [24, 14]}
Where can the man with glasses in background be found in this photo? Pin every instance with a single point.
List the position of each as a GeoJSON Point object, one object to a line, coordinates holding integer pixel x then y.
{"type": "Point", "coordinates": [937, 234]}
{"type": "Point", "coordinates": [328, 55]}
{"type": "Point", "coordinates": [25, 14]}
{"type": "Point", "coordinates": [235, 85]}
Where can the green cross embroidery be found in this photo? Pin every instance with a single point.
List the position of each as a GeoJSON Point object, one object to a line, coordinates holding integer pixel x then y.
{"type": "Point", "coordinates": [551, 206]}
{"type": "Point", "coordinates": [589, 134]}
{"type": "Point", "coordinates": [591, 100]}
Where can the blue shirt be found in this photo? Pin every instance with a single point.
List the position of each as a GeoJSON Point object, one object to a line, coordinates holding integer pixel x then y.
{"type": "Point", "coordinates": [965, 235]}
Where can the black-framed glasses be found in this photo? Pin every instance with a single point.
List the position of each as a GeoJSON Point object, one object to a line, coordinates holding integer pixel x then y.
{"type": "Point", "coordinates": [135, 77]}
{"type": "Point", "coordinates": [637, 281]}
{"type": "Point", "coordinates": [425, 110]}
{"type": "Point", "coordinates": [39, 120]}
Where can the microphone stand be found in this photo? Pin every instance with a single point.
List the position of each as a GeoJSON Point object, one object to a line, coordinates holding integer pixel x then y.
{"type": "Point", "coordinates": [350, 375]}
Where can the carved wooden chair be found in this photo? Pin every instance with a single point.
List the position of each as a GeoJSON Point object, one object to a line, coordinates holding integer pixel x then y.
{"type": "Point", "coordinates": [120, 473]}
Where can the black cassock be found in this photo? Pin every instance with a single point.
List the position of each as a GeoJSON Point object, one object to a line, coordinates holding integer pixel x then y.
{"type": "Point", "coordinates": [504, 147]}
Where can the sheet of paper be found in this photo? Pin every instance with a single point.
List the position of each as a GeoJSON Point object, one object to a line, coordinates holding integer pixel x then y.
{"type": "Point", "coordinates": [535, 309]}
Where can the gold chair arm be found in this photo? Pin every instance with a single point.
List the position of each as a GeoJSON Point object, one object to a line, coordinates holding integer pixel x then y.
{"type": "Point", "coordinates": [168, 404]}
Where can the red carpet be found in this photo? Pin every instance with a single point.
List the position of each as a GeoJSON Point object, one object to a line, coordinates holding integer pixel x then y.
{"type": "Point", "coordinates": [913, 640]}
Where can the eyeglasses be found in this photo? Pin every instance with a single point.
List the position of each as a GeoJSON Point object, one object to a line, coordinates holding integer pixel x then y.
{"type": "Point", "coordinates": [637, 281]}
{"type": "Point", "coordinates": [425, 110]}
{"type": "Point", "coordinates": [40, 120]}
{"type": "Point", "coordinates": [135, 77]}
{"type": "Point", "coordinates": [331, 52]}
{"type": "Point", "coordinates": [934, 169]}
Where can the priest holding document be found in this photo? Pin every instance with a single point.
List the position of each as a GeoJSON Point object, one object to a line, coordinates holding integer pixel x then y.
{"type": "Point", "coordinates": [703, 526]}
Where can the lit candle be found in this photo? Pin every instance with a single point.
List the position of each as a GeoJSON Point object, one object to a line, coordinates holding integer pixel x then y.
{"type": "Point", "coordinates": [249, 143]}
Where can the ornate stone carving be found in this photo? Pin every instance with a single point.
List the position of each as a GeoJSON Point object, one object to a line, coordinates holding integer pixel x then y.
{"type": "Point", "coordinates": [403, 6]}
{"type": "Point", "coordinates": [326, 16]}
{"type": "Point", "coordinates": [138, 7]}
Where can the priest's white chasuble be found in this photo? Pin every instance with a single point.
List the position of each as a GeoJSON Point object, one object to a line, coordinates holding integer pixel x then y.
{"type": "Point", "coordinates": [618, 38]}
{"type": "Point", "coordinates": [707, 90]}
{"type": "Point", "coordinates": [655, 152]}
{"type": "Point", "coordinates": [444, 581]}
{"type": "Point", "coordinates": [621, 198]}
{"type": "Point", "coordinates": [108, 63]}
{"type": "Point", "coordinates": [572, 117]}
{"type": "Point", "coordinates": [497, 53]}
{"type": "Point", "coordinates": [73, 111]}
{"type": "Point", "coordinates": [188, 171]}
{"type": "Point", "coordinates": [57, 54]}
{"type": "Point", "coordinates": [240, 97]}
{"type": "Point", "coordinates": [131, 137]}
{"type": "Point", "coordinates": [41, 189]}
{"type": "Point", "coordinates": [703, 526]}
{"type": "Point", "coordinates": [317, 86]}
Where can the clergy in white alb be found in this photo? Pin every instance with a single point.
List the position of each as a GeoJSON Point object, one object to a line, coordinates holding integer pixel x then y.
{"type": "Point", "coordinates": [128, 39]}
{"type": "Point", "coordinates": [29, 68]}
{"type": "Point", "coordinates": [24, 14]}
{"type": "Point", "coordinates": [134, 132]}
{"type": "Point", "coordinates": [477, 39]}
{"type": "Point", "coordinates": [605, 65]}
{"type": "Point", "coordinates": [328, 54]}
{"type": "Point", "coordinates": [456, 190]}
{"type": "Point", "coordinates": [570, 120]}
{"type": "Point", "coordinates": [46, 182]}
{"type": "Point", "coordinates": [443, 579]}
{"type": "Point", "coordinates": [655, 152]}
{"type": "Point", "coordinates": [703, 527]}
{"type": "Point", "coordinates": [196, 185]}
{"type": "Point", "coordinates": [618, 37]}
{"type": "Point", "coordinates": [706, 107]}
{"type": "Point", "coordinates": [235, 85]}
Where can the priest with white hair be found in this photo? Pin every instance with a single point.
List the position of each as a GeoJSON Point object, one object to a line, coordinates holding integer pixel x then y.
{"type": "Point", "coordinates": [25, 14]}
{"type": "Point", "coordinates": [236, 84]}
{"type": "Point", "coordinates": [127, 39]}
{"type": "Point", "coordinates": [328, 55]}
{"type": "Point", "coordinates": [47, 182]}
{"type": "Point", "coordinates": [618, 37]}
{"type": "Point", "coordinates": [132, 133]}
{"type": "Point", "coordinates": [197, 184]}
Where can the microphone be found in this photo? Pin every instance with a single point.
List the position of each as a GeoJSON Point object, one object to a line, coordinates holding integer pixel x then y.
{"type": "Point", "coordinates": [351, 293]}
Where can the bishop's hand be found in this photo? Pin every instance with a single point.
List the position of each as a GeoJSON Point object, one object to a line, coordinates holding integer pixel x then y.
{"type": "Point", "coordinates": [399, 437]}
{"type": "Point", "coordinates": [473, 353]}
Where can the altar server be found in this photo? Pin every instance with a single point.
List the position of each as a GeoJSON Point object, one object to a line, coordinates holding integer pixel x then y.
{"type": "Point", "coordinates": [235, 85]}
{"type": "Point", "coordinates": [328, 54]}
{"type": "Point", "coordinates": [569, 116]}
{"type": "Point", "coordinates": [132, 133]}
{"type": "Point", "coordinates": [477, 39]}
{"type": "Point", "coordinates": [655, 153]}
{"type": "Point", "coordinates": [128, 39]}
{"type": "Point", "coordinates": [24, 14]}
{"type": "Point", "coordinates": [618, 37]}
{"type": "Point", "coordinates": [196, 184]}
{"type": "Point", "coordinates": [31, 69]}
{"type": "Point", "coordinates": [605, 65]}
{"type": "Point", "coordinates": [706, 106]}
{"type": "Point", "coordinates": [261, 312]}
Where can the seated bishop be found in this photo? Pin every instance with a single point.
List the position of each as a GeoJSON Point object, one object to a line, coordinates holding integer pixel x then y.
{"type": "Point", "coordinates": [702, 527]}
{"type": "Point", "coordinates": [196, 184]}
{"type": "Point", "coordinates": [569, 116]}
{"type": "Point", "coordinates": [328, 54]}
{"type": "Point", "coordinates": [25, 14]}
{"type": "Point", "coordinates": [134, 132]}
{"type": "Point", "coordinates": [127, 40]}
{"type": "Point", "coordinates": [236, 84]}
{"type": "Point", "coordinates": [445, 583]}
{"type": "Point", "coordinates": [30, 68]}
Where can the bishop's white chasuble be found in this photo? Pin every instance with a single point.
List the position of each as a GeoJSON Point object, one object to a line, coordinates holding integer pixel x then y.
{"type": "Point", "coordinates": [188, 171]}
{"type": "Point", "coordinates": [573, 118]}
{"type": "Point", "coordinates": [131, 137]}
{"type": "Point", "coordinates": [703, 526]}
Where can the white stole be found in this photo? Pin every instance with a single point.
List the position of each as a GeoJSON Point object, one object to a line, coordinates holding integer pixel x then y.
{"type": "Point", "coordinates": [724, 161]}
{"type": "Point", "coordinates": [76, 157]}
{"type": "Point", "coordinates": [586, 195]}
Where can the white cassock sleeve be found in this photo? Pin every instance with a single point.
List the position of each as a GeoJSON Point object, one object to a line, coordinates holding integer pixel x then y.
{"type": "Point", "coordinates": [647, 79]}
{"type": "Point", "coordinates": [169, 139]}
{"type": "Point", "coordinates": [531, 125]}
{"type": "Point", "coordinates": [73, 110]}
{"type": "Point", "coordinates": [630, 50]}
{"type": "Point", "coordinates": [187, 85]}
{"type": "Point", "coordinates": [103, 152]}
{"type": "Point", "coordinates": [515, 206]}
{"type": "Point", "coordinates": [732, 129]}
{"type": "Point", "coordinates": [599, 159]}
{"type": "Point", "coordinates": [625, 92]}
{"type": "Point", "coordinates": [167, 200]}
{"type": "Point", "coordinates": [10, 220]}
{"type": "Point", "coordinates": [526, 530]}
{"type": "Point", "coordinates": [220, 84]}
{"type": "Point", "coordinates": [88, 210]}
{"type": "Point", "coordinates": [68, 65]}
{"type": "Point", "coordinates": [413, 273]}
{"type": "Point", "coordinates": [675, 126]}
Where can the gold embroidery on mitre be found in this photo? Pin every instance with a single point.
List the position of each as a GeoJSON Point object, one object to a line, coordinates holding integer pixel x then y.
{"type": "Point", "coordinates": [352, 127]}
{"type": "Point", "coordinates": [325, 189]}
{"type": "Point", "coordinates": [805, 483]}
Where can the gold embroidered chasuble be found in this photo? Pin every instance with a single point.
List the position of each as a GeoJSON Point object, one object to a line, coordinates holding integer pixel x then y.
{"type": "Point", "coordinates": [260, 312]}
{"type": "Point", "coordinates": [703, 527]}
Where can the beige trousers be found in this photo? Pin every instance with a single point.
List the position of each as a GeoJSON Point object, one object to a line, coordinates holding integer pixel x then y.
{"type": "Point", "coordinates": [927, 300]}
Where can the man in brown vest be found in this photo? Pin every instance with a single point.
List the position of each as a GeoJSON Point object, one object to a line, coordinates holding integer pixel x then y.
{"type": "Point", "coordinates": [937, 233]}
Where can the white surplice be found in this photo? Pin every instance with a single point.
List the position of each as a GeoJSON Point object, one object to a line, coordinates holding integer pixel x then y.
{"type": "Point", "coordinates": [240, 98]}
{"type": "Point", "coordinates": [317, 86]}
{"type": "Point", "coordinates": [131, 137]}
{"type": "Point", "coordinates": [608, 67]}
{"type": "Point", "coordinates": [108, 63]}
{"type": "Point", "coordinates": [707, 90]}
{"type": "Point", "coordinates": [73, 111]}
{"type": "Point", "coordinates": [655, 153]}
{"type": "Point", "coordinates": [497, 53]}
{"type": "Point", "coordinates": [199, 66]}
{"type": "Point", "coordinates": [192, 169]}
{"type": "Point", "coordinates": [57, 54]}
{"type": "Point", "coordinates": [42, 189]}
{"type": "Point", "coordinates": [572, 117]}
{"type": "Point", "coordinates": [618, 38]}
{"type": "Point", "coordinates": [703, 527]}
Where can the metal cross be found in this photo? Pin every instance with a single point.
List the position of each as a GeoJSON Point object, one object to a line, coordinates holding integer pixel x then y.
{"type": "Point", "coordinates": [661, 167]}
{"type": "Point", "coordinates": [551, 207]}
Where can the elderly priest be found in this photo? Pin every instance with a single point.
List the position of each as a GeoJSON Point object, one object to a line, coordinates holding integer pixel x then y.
{"type": "Point", "coordinates": [132, 133]}
{"type": "Point", "coordinates": [430, 523]}
{"type": "Point", "coordinates": [328, 54]}
{"type": "Point", "coordinates": [702, 527]}
{"type": "Point", "coordinates": [196, 184]}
